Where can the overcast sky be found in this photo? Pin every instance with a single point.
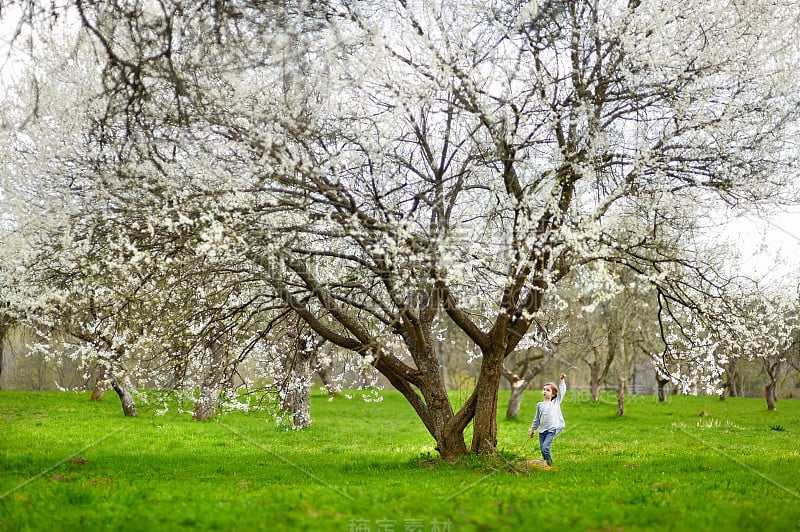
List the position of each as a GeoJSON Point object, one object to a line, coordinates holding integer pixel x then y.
{"type": "Point", "coordinates": [770, 246]}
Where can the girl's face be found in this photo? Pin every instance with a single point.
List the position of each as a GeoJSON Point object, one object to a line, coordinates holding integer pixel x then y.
{"type": "Point", "coordinates": [547, 392]}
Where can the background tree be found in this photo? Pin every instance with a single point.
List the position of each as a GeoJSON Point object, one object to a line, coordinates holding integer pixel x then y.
{"type": "Point", "coordinates": [779, 326]}
{"type": "Point", "coordinates": [525, 367]}
{"type": "Point", "coordinates": [6, 322]}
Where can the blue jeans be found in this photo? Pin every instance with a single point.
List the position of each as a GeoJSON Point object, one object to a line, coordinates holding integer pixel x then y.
{"type": "Point", "coordinates": [545, 440]}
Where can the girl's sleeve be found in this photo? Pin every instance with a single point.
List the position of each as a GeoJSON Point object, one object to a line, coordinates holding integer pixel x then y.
{"type": "Point", "coordinates": [535, 424]}
{"type": "Point", "coordinates": [562, 389]}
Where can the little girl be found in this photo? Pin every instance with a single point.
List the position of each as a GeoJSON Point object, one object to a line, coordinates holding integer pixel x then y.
{"type": "Point", "coordinates": [549, 420]}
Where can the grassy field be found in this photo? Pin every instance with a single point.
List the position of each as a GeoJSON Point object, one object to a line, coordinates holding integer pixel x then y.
{"type": "Point", "coordinates": [69, 464]}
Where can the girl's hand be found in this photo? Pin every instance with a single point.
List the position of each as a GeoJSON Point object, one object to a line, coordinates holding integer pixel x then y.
{"type": "Point", "coordinates": [532, 433]}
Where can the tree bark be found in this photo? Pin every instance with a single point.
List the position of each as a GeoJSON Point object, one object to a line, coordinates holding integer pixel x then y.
{"type": "Point", "coordinates": [598, 371]}
{"type": "Point", "coordinates": [735, 385]}
{"type": "Point", "coordinates": [99, 390]}
{"type": "Point", "coordinates": [662, 389]}
{"type": "Point", "coordinates": [724, 393]}
{"type": "Point", "coordinates": [2, 360]}
{"type": "Point", "coordinates": [128, 405]}
{"type": "Point", "coordinates": [517, 387]}
{"type": "Point", "coordinates": [206, 404]}
{"type": "Point", "coordinates": [520, 384]}
{"type": "Point", "coordinates": [109, 373]}
{"type": "Point", "coordinates": [5, 326]}
{"type": "Point", "coordinates": [447, 430]}
{"type": "Point", "coordinates": [102, 383]}
{"type": "Point", "coordinates": [732, 378]}
{"type": "Point", "coordinates": [514, 402]}
{"type": "Point", "coordinates": [773, 368]}
{"type": "Point", "coordinates": [484, 424]}
{"type": "Point", "coordinates": [295, 392]}
{"type": "Point", "coordinates": [621, 397]}
{"type": "Point", "coordinates": [594, 389]}
{"type": "Point", "coordinates": [213, 381]}
{"type": "Point", "coordinates": [432, 406]}
{"type": "Point", "coordinates": [770, 391]}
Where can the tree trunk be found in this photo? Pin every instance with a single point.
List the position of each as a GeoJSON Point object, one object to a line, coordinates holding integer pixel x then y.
{"type": "Point", "coordinates": [5, 326]}
{"type": "Point", "coordinates": [662, 389]}
{"type": "Point", "coordinates": [600, 366]}
{"type": "Point", "coordinates": [445, 429]}
{"type": "Point", "coordinates": [517, 387]}
{"type": "Point", "coordinates": [621, 397]}
{"type": "Point", "coordinates": [773, 367]}
{"type": "Point", "coordinates": [206, 404]}
{"type": "Point", "coordinates": [451, 444]}
{"type": "Point", "coordinates": [770, 391]}
{"type": "Point", "coordinates": [301, 414]}
{"type": "Point", "coordinates": [735, 385]}
{"type": "Point", "coordinates": [295, 392]}
{"type": "Point", "coordinates": [107, 378]}
{"type": "Point", "coordinates": [99, 390]}
{"type": "Point", "coordinates": [295, 389]}
{"type": "Point", "coordinates": [732, 380]}
{"type": "Point", "coordinates": [128, 406]}
{"type": "Point", "coordinates": [484, 424]}
{"type": "Point", "coordinates": [594, 390]}
{"type": "Point", "coordinates": [426, 392]}
{"type": "Point", "coordinates": [422, 386]}
{"type": "Point", "coordinates": [2, 360]}
{"type": "Point", "coordinates": [729, 386]}
{"type": "Point", "coordinates": [514, 402]}
{"type": "Point", "coordinates": [433, 407]}
{"type": "Point", "coordinates": [520, 384]}
{"type": "Point", "coordinates": [102, 383]}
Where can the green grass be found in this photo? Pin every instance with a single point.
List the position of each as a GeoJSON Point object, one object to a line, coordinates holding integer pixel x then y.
{"type": "Point", "coordinates": [371, 466]}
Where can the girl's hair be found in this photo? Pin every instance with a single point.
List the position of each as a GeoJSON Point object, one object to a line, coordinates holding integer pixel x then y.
{"type": "Point", "coordinates": [553, 388]}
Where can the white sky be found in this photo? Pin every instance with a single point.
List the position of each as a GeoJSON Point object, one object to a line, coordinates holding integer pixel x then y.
{"type": "Point", "coordinates": [770, 246]}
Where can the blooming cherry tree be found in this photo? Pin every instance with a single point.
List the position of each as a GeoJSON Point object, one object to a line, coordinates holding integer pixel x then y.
{"type": "Point", "coordinates": [373, 164]}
